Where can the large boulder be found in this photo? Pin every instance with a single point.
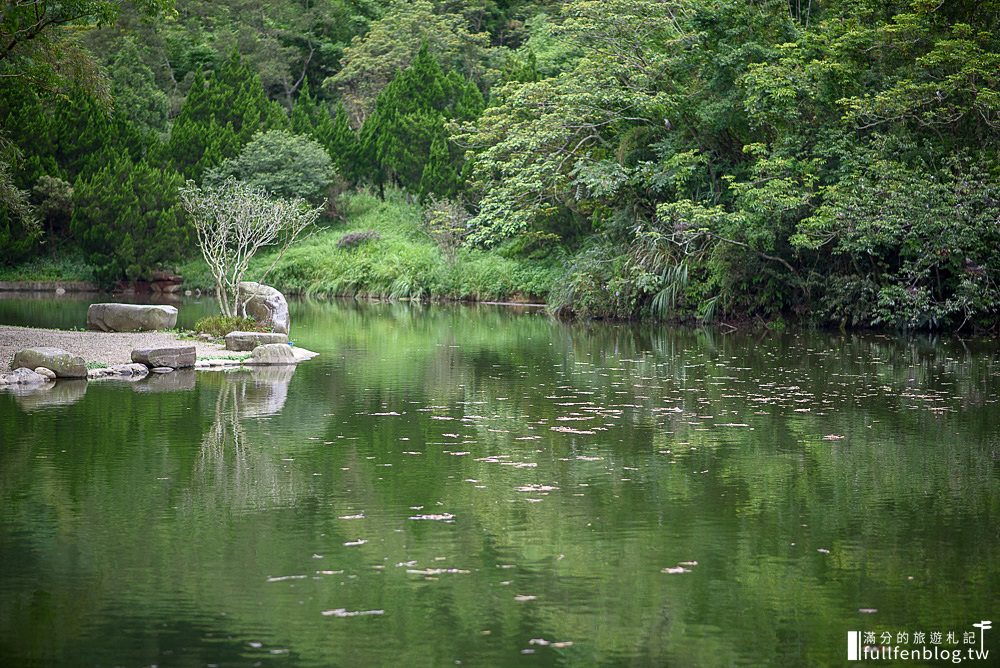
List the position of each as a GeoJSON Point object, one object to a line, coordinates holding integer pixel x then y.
{"type": "Point", "coordinates": [64, 364]}
{"type": "Point", "coordinates": [244, 341]}
{"type": "Point", "coordinates": [176, 357]}
{"type": "Point", "coordinates": [272, 353]}
{"type": "Point", "coordinates": [265, 305]}
{"type": "Point", "coordinates": [130, 317]}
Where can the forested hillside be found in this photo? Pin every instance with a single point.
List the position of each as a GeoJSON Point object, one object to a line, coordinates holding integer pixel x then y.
{"type": "Point", "coordinates": [833, 161]}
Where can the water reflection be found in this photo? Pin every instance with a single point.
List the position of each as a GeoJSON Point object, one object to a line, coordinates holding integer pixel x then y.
{"type": "Point", "coordinates": [241, 473]}
{"type": "Point", "coordinates": [39, 396]}
{"type": "Point", "coordinates": [497, 483]}
{"type": "Point", "coordinates": [180, 380]}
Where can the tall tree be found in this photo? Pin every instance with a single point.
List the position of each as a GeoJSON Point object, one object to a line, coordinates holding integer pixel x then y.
{"type": "Point", "coordinates": [223, 110]}
{"type": "Point", "coordinates": [128, 219]}
{"type": "Point", "coordinates": [409, 114]}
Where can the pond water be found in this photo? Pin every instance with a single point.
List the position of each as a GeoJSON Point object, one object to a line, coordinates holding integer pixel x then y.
{"type": "Point", "coordinates": [484, 486]}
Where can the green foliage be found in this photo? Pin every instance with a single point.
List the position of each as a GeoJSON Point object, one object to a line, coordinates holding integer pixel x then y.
{"type": "Point", "coordinates": [66, 265]}
{"type": "Point", "coordinates": [281, 163]}
{"type": "Point", "coordinates": [223, 110]}
{"type": "Point", "coordinates": [128, 219]}
{"type": "Point", "coordinates": [404, 142]}
{"type": "Point", "coordinates": [39, 46]}
{"type": "Point", "coordinates": [53, 200]}
{"type": "Point", "coordinates": [19, 227]}
{"type": "Point", "coordinates": [136, 96]}
{"type": "Point", "coordinates": [220, 325]}
{"type": "Point", "coordinates": [394, 42]}
{"type": "Point", "coordinates": [746, 159]}
{"type": "Point", "coordinates": [312, 117]}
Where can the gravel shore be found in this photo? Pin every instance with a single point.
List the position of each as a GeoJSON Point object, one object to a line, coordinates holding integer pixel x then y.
{"type": "Point", "coordinates": [109, 348]}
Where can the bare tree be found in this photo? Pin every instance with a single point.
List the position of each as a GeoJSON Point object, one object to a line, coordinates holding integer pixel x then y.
{"type": "Point", "coordinates": [234, 221]}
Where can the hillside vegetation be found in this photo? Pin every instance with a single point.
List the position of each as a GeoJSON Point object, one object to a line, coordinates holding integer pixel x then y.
{"type": "Point", "coordinates": [834, 161]}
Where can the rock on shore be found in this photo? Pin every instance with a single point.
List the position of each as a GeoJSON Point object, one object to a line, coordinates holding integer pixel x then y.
{"type": "Point", "coordinates": [130, 317]}
{"type": "Point", "coordinates": [64, 364]}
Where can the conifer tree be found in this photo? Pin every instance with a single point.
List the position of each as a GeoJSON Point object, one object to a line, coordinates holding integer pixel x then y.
{"type": "Point", "coordinates": [396, 140]}
{"type": "Point", "coordinates": [343, 146]}
{"type": "Point", "coordinates": [439, 176]}
{"type": "Point", "coordinates": [128, 219]}
{"type": "Point", "coordinates": [230, 101]}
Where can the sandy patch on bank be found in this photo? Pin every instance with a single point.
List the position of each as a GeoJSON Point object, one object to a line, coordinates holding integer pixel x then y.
{"type": "Point", "coordinates": [109, 348]}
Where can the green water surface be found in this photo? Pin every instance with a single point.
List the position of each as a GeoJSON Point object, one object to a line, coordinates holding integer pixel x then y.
{"type": "Point", "coordinates": [484, 486]}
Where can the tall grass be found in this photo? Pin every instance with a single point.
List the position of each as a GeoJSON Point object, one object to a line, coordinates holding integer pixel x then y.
{"type": "Point", "coordinates": [400, 260]}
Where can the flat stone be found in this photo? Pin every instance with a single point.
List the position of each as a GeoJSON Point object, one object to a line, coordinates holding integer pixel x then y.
{"type": "Point", "coordinates": [245, 341]}
{"type": "Point", "coordinates": [265, 305]}
{"type": "Point", "coordinates": [131, 317]}
{"type": "Point", "coordinates": [272, 353]}
{"type": "Point", "coordinates": [175, 357]}
{"type": "Point", "coordinates": [162, 369]}
{"type": "Point", "coordinates": [64, 364]}
{"type": "Point", "coordinates": [48, 373]}
{"type": "Point", "coordinates": [301, 354]}
{"type": "Point", "coordinates": [120, 371]}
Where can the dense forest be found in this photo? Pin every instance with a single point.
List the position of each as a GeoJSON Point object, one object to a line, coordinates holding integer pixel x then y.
{"type": "Point", "coordinates": [829, 161]}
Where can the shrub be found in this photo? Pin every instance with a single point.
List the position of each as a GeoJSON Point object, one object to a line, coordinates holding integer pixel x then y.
{"type": "Point", "coordinates": [283, 164]}
{"type": "Point", "coordinates": [220, 325]}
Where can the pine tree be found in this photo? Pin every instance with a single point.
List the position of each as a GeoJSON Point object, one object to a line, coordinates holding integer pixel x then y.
{"type": "Point", "coordinates": [343, 146]}
{"type": "Point", "coordinates": [396, 139]}
{"type": "Point", "coordinates": [439, 176]}
{"type": "Point", "coordinates": [230, 100]}
{"type": "Point", "coordinates": [312, 117]}
{"type": "Point", "coordinates": [128, 219]}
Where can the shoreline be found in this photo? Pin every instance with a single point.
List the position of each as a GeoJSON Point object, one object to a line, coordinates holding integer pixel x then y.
{"type": "Point", "coordinates": [108, 348]}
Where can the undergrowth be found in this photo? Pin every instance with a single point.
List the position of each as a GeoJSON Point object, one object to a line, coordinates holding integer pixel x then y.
{"type": "Point", "coordinates": [396, 258]}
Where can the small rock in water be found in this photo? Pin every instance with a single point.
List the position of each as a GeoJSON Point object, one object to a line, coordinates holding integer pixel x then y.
{"type": "Point", "coordinates": [161, 369]}
{"type": "Point", "coordinates": [49, 374]}
{"type": "Point", "coordinates": [24, 376]}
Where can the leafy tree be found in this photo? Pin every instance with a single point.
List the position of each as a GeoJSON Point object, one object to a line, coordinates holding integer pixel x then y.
{"type": "Point", "coordinates": [234, 221]}
{"type": "Point", "coordinates": [394, 42]}
{"type": "Point", "coordinates": [128, 219]}
{"type": "Point", "coordinates": [283, 164]}
{"type": "Point", "coordinates": [19, 227]}
{"type": "Point", "coordinates": [53, 200]}
{"type": "Point", "coordinates": [715, 143]}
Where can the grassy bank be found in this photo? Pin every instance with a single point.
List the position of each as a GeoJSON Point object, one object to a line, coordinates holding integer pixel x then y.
{"type": "Point", "coordinates": [66, 265]}
{"type": "Point", "coordinates": [399, 260]}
